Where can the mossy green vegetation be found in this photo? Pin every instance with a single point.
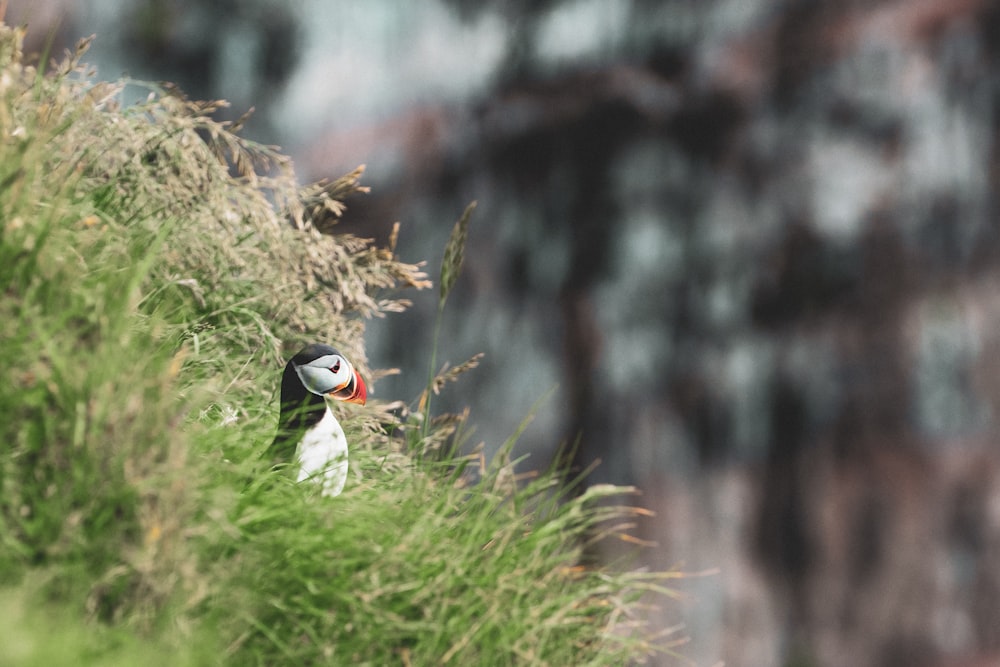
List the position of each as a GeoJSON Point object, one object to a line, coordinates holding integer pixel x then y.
{"type": "Point", "coordinates": [155, 268]}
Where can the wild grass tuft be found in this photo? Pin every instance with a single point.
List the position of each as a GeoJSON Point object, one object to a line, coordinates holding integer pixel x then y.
{"type": "Point", "coordinates": [155, 271]}
{"type": "Point", "coordinates": [451, 266]}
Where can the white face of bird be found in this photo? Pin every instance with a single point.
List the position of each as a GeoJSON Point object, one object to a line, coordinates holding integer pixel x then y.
{"type": "Point", "coordinates": [332, 375]}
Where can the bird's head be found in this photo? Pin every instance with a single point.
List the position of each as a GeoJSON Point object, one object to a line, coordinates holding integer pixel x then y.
{"type": "Point", "coordinates": [326, 372]}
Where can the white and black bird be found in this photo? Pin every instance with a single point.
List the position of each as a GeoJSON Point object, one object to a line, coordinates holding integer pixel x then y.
{"type": "Point", "coordinates": [308, 433]}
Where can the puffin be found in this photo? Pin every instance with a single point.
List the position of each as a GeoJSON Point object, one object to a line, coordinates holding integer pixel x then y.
{"type": "Point", "coordinates": [309, 435]}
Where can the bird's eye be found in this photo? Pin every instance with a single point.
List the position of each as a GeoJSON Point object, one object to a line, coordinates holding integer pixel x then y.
{"type": "Point", "coordinates": [336, 367]}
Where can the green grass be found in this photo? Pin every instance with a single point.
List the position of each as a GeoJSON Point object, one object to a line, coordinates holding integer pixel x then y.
{"type": "Point", "coordinates": [155, 270]}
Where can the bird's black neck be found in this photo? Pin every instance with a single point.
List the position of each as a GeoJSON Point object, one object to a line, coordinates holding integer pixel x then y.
{"type": "Point", "coordinates": [300, 410]}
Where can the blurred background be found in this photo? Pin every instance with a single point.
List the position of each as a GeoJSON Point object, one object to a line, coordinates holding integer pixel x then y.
{"type": "Point", "coordinates": [753, 243]}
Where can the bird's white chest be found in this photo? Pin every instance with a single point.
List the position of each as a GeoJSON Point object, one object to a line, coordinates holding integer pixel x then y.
{"type": "Point", "coordinates": [322, 455]}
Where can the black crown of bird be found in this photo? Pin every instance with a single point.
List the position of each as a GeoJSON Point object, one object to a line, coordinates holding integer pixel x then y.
{"type": "Point", "coordinates": [309, 435]}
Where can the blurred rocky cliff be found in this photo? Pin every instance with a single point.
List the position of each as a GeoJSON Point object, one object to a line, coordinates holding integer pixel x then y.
{"type": "Point", "coordinates": [755, 244]}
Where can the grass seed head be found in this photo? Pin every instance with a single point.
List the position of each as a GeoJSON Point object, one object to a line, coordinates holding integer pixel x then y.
{"type": "Point", "coordinates": [454, 252]}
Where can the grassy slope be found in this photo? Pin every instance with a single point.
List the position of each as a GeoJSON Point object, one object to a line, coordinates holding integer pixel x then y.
{"type": "Point", "coordinates": [146, 292]}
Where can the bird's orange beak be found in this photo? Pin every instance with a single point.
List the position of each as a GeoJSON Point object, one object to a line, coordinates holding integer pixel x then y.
{"type": "Point", "coordinates": [354, 391]}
